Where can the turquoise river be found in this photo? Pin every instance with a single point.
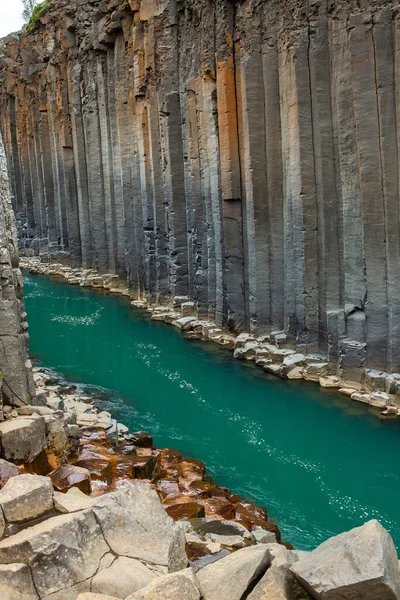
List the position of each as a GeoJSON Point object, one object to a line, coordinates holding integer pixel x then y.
{"type": "Point", "coordinates": [320, 463]}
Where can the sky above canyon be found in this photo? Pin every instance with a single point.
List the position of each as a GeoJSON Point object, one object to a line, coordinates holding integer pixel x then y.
{"type": "Point", "coordinates": [10, 16]}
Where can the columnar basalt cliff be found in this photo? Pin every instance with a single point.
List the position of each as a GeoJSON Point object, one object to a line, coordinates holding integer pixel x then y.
{"type": "Point", "coordinates": [16, 380]}
{"type": "Point", "coordinates": [243, 154]}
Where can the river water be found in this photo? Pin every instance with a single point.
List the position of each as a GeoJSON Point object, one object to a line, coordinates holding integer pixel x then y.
{"type": "Point", "coordinates": [320, 463]}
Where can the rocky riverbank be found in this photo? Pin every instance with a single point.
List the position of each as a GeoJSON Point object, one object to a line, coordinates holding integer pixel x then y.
{"type": "Point", "coordinates": [86, 509]}
{"type": "Point", "coordinates": [272, 353]}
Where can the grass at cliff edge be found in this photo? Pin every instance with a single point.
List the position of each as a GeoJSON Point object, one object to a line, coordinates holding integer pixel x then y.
{"type": "Point", "coordinates": [38, 12]}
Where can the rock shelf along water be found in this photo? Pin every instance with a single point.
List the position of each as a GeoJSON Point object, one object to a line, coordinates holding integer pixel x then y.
{"type": "Point", "coordinates": [268, 440]}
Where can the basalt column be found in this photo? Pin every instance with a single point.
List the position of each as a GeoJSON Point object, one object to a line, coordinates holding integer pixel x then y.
{"type": "Point", "coordinates": [240, 154]}
{"type": "Point", "coordinates": [16, 381]}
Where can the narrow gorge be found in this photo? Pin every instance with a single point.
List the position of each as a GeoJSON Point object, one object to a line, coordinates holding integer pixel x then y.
{"type": "Point", "coordinates": [241, 154]}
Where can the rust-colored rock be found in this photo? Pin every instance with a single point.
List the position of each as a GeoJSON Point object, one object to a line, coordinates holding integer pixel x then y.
{"type": "Point", "coordinates": [185, 510]}
{"type": "Point", "coordinates": [68, 476]}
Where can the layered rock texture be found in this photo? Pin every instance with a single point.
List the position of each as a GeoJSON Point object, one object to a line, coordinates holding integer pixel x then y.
{"type": "Point", "coordinates": [16, 381]}
{"type": "Point", "coordinates": [240, 154]}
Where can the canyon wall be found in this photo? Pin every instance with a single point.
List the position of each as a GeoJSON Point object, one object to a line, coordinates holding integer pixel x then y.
{"type": "Point", "coordinates": [16, 381]}
{"type": "Point", "coordinates": [241, 153]}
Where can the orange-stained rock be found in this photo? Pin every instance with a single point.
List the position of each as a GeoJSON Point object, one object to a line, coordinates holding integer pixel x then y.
{"type": "Point", "coordinates": [68, 476]}
{"type": "Point", "coordinates": [185, 510]}
{"type": "Point", "coordinates": [219, 508]}
{"type": "Point", "coordinates": [99, 468]}
{"type": "Point", "coordinates": [143, 467]}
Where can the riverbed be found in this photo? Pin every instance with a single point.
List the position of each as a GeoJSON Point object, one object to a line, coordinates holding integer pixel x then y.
{"type": "Point", "coordinates": [319, 462]}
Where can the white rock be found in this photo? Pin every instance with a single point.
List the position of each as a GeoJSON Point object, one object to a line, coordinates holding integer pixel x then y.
{"type": "Point", "coordinates": [330, 381]}
{"type": "Point", "coordinates": [347, 391]}
{"type": "Point", "coordinates": [315, 370]}
{"type": "Point", "coordinates": [72, 501]}
{"type": "Point", "coordinates": [246, 352]}
{"type": "Point", "coordinates": [278, 582]}
{"type": "Point", "coordinates": [62, 552]}
{"type": "Point", "coordinates": [92, 596]}
{"type": "Point", "coordinates": [264, 537]}
{"type": "Point", "coordinates": [379, 399]}
{"type": "Point", "coordinates": [26, 497]}
{"type": "Point", "coordinates": [23, 439]}
{"type": "Point", "coordinates": [125, 576]}
{"type": "Point", "coordinates": [360, 564]}
{"type": "Point", "coordinates": [149, 534]}
{"type": "Point", "coordinates": [231, 576]}
{"type": "Point", "coordinates": [185, 323]}
{"type": "Point", "coordinates": [176, 586]}
{"type": "Point", "coordinates": [292, 362]}
{"type": "Point", "coordinates": [359, 397]}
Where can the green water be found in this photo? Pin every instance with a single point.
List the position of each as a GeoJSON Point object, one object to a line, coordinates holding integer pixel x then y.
{"type": "Point", "coordinates": [320, 463]}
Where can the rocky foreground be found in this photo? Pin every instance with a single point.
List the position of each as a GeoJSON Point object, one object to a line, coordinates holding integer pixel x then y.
{"type": "Point", "coordinates": [86, 511]}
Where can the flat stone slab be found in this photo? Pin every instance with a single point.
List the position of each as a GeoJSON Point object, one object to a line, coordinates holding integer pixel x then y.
{"type": "Point", "coordinates": [26, 497]}
{"type": "Point", "coordinates": [125, 576]}
{"type": "Point", "coordinates": [361, 564]}
{"type": "Point", "coordinates": [22, 439]}
{"type": "Point", "coordinates": [73, 501]}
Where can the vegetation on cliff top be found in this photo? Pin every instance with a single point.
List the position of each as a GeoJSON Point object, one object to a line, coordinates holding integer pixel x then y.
{"type": "Point", "coordinates": [37, 12]}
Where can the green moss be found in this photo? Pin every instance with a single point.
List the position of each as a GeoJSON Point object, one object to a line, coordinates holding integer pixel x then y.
{"type": "Point", "coordinates": [38, 12]}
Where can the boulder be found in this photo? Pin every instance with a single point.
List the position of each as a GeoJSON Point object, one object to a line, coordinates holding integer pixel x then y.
{"type": "Point", "coordinates": [264, 537]}
{"type": "Point", "coordinates": [16, 583]}
{"type": "Point", "coordinates": [7, 470]}
{"type": "Point", "coordinates": [185, 323]}
{"type": "Point", "coordinates": [73, 501]}
{"type": "Point", "coordinates": [62, 552]}
{"type": "Point", "coordinates": [125, 576]}
{"type": "Point", "coordinates": [23, 439]}
{"type": "Point", "coordinates": [230, 577]}
{"type": "Point", "coordinates": [292, 362]}
{"type": "Point", "coordinates": [246, 352]}
{"type": "Point", "coordinates": [278, 583]}
{"type": "Point", "coordinates": [313, 371]}
{"type": "Point", "coordinates": [379, 399]}
{"type": "Point", "coordinates": [141, 439]}
{"type": "Point", "coordinates": [26, 497]}
{"type": "Point", "coordinates": [175, 586]}
{"type": "Point", "coordinates": [361, 564]}
{"type": "Point", "coordinates": [68, 476]}
{"type": "Point", "coordinates": [149, 533]}
{"type": "Point", "coordinates": [329, 382]}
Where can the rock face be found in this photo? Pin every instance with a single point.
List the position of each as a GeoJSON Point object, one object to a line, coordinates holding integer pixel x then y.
{"type": "Point", "coordinates": [237, 154]}
{"type": "Point", "coordinates": [16, 381]}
